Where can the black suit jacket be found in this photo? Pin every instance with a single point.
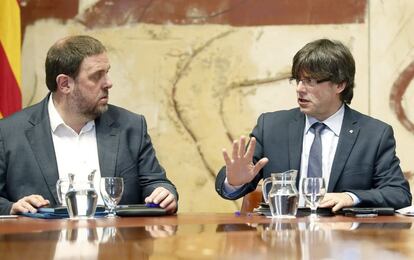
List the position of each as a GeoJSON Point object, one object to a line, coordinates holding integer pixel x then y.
{"type": "Point", "coordinates": [365, 162]}
{"type": "Point", "coordinates": [28, 163]}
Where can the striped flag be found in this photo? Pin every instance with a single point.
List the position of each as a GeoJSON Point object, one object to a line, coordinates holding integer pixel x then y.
{"type": "Point", "coordinates": [10, 67]}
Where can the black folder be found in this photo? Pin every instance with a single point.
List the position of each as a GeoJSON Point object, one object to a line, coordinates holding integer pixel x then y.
{"type": "Point", "coordinates": [378, 211]}
{"type": "Point", "coordinates": [134, 210]}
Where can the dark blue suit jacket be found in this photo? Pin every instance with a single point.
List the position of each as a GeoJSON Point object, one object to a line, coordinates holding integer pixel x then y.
{"type": "Point", "coordinates": [365, 162]}
{"type": "Point", "coordinates": [28, 163]}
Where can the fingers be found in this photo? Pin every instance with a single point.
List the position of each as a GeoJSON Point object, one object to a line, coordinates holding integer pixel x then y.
{"type": "Point", "coordinates": [337, 201]}
{"type": "Point", "coordinates": [240, 168]}
{"type": "Point", "coordinates": [242, 146]}
{"type": "Point", "coordinates": [345, 201]}
{"type": "Point", "coordinates": [239, 150]}
{"type": "Point", "coordinates": [250, 149]}
{"type": "Point", "coordinates": [235, 155]}
{"type": "Point", "coordinates": [37, 201]}
{"type": "Point", "coordinates": [328, 201]}
{"type": "Point", "coordinates": [172, 207]}
{"type": "Point", "coordinates": [158, 195]}
{"type": "Point", "coordinates": [226, 158]}
{"type": "Point", "coordinates": [164, 198]}
{"type": "Point", "coordinates": [29, 204]}
{"type": "Point", "coordinates": [151, 197]}
{"type": "Point", "coordinates": [338, 206]}
{"type": "Point", "coordinates": [259, 165]}
{"type": "Point", "coordinates": [22, 207]}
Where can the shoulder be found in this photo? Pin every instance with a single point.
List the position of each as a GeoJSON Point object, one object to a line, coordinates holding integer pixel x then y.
{"type": "Point", "coordinates": [24, 118]}
{"type": "Point", "coordinates": [279, 119]}
{"type": "Point", "coordinates": [366, 121]}
{"type": "Point", "coordinates": [122, 112]}
{"type": "Point", "coordinates": [282, 115]}
{"type": "Point", "coordinates": [123, 117]}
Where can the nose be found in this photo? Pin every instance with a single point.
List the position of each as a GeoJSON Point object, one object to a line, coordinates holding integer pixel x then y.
{"type": "Point", "coordinates": [108, 82]}
{"type": "Point", "coordinates": [300, 87]}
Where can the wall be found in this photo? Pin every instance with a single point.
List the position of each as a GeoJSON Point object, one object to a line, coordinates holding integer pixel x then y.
{"type": "Point", "coordinates": [202, 71]}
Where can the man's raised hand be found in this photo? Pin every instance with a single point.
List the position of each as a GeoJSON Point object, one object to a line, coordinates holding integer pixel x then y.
{"type": "Point", "coordinates": [240, 168]}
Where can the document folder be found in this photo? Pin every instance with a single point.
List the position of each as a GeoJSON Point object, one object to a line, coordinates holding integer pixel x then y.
{"type": "Point", "coordinates": [139, 210]}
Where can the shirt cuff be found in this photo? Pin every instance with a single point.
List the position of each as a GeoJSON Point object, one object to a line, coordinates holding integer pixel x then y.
{"type": "Point", "coordinates": [354, 198]}
{"type": "Point", "coordinates": [229, 189]}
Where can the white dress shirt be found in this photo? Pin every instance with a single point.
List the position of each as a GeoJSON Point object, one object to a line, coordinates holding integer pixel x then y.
{"type": "Point", "coordinates": [75, 153]}
{"type": "Point", "coordinates": [329, 138]}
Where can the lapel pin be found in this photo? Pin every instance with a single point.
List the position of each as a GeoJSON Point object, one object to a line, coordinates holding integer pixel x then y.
{"type": "Point", "coordinates": [351, 131]}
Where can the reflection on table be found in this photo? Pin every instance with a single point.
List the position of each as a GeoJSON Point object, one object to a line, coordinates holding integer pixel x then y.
{"type": "Point", "coordinates": [309, 240]}
{"type": "Point", "coordinates": [86, 243]}
{"type": "Point", "coordinates": [208, 236]}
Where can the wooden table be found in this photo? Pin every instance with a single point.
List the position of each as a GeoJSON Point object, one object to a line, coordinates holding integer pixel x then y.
{"type": "Point", "coordinates": [208, 236]}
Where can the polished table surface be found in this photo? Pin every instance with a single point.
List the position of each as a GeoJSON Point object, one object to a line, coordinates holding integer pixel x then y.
{"type": "Point", "coordinates": [208, 236]}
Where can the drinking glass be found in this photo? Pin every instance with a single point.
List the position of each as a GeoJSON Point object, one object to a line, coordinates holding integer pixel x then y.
{"type": "Point", "coordinates": [314, 190]}
{"type": "Point", "coordinates": [111, 191]}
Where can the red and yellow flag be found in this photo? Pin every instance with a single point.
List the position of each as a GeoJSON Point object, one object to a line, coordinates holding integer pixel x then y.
{"type": "Point", "coordinates": [10, 67]}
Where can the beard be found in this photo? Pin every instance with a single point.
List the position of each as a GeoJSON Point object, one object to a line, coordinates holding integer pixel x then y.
{"type": "Point", "coordinates": [84, 107]}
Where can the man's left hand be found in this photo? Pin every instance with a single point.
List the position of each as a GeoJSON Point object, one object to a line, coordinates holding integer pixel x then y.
{"type": "Point", "coordinates": [336, 201]}
{"type": "Point", "coordinates": [164, 198]}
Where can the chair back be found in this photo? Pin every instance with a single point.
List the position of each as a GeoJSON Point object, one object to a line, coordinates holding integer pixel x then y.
{"type": "Point", "coordinates": [252, 200]}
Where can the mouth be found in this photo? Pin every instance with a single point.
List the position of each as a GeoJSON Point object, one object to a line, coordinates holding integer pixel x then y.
{"type": "Point", "coordinates": [104, 99]}
{"type": "Point", "coordinates": [302, 101]}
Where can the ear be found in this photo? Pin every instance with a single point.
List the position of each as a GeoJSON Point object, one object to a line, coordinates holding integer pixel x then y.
{"type": "Point", "coordinates": [340, 87]}
{"type": "Point", "coordinates": [64, 83]}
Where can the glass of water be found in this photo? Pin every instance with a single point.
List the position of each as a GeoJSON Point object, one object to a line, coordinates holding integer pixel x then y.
{"type": "Point", "coordinates": [111, 191]}
{"type": "Point", "coordinates": [314, 190]}
{"type": "Point", "coordinates": [81, 197]}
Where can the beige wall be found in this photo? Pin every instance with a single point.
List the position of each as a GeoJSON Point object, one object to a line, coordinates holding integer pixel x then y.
{"type": "Point", "coordinates": [224, 76]}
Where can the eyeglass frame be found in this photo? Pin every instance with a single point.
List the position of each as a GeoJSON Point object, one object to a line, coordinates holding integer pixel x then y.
{"type": "Point", "coordinates": [309, 81]}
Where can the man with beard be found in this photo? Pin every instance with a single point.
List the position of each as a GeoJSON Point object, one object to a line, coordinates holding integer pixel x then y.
{"type": "Point", "coordinates": [75, 130]}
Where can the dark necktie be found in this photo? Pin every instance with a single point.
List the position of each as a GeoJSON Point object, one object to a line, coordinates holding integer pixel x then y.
{"type": "Point", "coordinates": [315, 154]}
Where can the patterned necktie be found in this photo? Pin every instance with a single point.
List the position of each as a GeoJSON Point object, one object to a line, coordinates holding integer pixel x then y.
{"type": "Point", "coordinates": [315, 154]}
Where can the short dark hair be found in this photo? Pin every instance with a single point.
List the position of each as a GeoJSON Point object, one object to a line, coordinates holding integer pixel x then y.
{"type": "Point", "coordinates": [326, 59]}
{"type": "Point", "coordinates": [66, 56]}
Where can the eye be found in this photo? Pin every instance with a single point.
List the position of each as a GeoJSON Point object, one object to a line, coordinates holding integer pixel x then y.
{"type": "Point", "coordinates": [98, 75]}
{"type": "Point", "coordinates": [309, 81]}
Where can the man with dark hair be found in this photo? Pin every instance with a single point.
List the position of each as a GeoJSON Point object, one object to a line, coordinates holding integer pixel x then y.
{"type": "Point", "coordinates": [75, 130]}
{"type": "Point", "coordinates": [357, 152]}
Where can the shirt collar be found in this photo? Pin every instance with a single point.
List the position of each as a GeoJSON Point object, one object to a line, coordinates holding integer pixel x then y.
{"type": "Point", "coordinates": [57, 121]}
{"type": "Point", "coordinates": [334, 122]}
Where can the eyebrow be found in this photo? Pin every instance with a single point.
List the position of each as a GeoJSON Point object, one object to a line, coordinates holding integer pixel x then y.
{"type": "Point", "coordinates": [101, 70]}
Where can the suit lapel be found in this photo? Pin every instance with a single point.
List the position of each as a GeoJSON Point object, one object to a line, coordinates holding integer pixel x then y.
{"type": "Point", "coordinates": [347, 137]}
{"type": "Point", "coordinates": [41, 142]}
{"type": "Point", "coordinates": [107, 137]}
{"type": "Point", "coordinates": [296, 127]}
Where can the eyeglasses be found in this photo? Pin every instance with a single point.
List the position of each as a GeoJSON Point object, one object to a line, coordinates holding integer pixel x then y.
{"type": "Point", "coordinates": [308, 81]}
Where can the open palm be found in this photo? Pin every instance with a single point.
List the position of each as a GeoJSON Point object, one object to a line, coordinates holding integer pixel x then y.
{"type": "Point", "coordinates": [240, 168]}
